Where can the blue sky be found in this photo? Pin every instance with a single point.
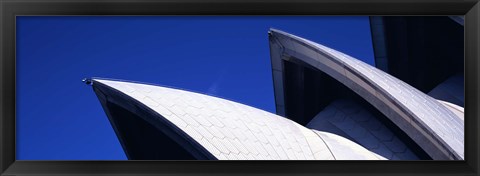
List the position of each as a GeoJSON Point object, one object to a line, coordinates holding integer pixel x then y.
{"type": "Point", "coordinates": [60, 118]}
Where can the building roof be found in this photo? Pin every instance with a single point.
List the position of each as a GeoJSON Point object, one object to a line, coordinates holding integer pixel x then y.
{"type": "Point", "coordinates": [223, 129]}
{"type": "Point", "coordinates": [431, 125]}
{"type": "Point", "coordinates": [385, 119]}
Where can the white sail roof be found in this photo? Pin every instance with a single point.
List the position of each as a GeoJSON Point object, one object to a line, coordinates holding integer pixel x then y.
{"type": "Point", "coordinates": [233, 131]}
{"type": "Point", "coordinates": [434, 127]}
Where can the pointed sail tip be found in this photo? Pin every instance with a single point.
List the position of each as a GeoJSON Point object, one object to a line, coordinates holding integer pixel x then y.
{"type": "Point", "coordinates": [275, 30]}
{"type": "Point", "coordinates": [87, 81]}
{"type": "Point", "coordinates": [272, 29]}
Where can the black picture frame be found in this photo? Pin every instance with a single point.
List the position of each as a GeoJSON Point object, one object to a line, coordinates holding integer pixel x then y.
{"type": "Point", "coordinates": [9, 9]}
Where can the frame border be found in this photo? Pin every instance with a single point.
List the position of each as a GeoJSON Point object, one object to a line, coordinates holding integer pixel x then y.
{"type": "Point", "coordinates": [9, 9]}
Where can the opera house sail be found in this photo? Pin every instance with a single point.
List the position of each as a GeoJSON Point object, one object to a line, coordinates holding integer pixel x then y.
{"type": "Point", "coordinates": [330, 106]}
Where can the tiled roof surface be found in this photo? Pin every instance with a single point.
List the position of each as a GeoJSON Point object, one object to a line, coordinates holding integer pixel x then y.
{"type": "Point", "coordinates": [233, 131]}
{"type": "Point", "coordinates": [433, 126]}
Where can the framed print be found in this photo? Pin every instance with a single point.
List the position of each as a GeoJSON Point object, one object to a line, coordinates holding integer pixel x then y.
{"type": "Point", "coordinates": [152, 87]}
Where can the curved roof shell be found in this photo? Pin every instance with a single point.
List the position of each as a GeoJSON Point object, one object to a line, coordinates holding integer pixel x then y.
{"type": "Point", "coordinates": [215, 128]}
{"type": "Point", "coordinates": [435, 128]}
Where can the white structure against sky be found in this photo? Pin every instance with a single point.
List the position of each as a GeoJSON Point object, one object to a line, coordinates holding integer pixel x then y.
{"type": "Point", "coordinates": [433, 126]}
{"type": "Point", "coordinates": [226, 130]}
{"type": "Point", "coordinates": [233, 131]}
